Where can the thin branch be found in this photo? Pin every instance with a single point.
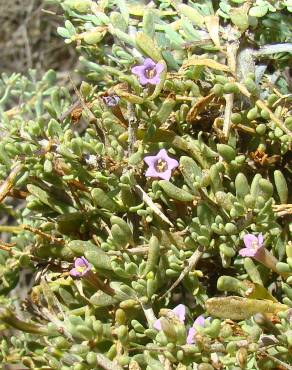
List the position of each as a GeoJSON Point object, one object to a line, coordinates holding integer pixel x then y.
{"type": "Point", "coordinates": [145, 197]}
{"type": "Point", "coordinates": [192, 261]}
{"type": "Point", "coordinates": [229, 98]}
{"type": "Point", "coordinates": [273, 49]}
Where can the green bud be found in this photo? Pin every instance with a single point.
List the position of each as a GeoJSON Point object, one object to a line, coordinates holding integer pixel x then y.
{"type": "Point", "coordinates": [272, 100]}
{"type": "Point", "coordinates": [266, 188]}
{"type": "Point", "coordinates": [102, 200]}
{"type": "Point", "coordinates": [82, 331]}
{"type": "Point", "coordinates": [281, 186]}
{"type": "Point", "coordinates": [252, 114]}
{"type": "Point", "coordinates": [227, 251]}
{"type": "Point", "coordinates": [230, 284]}
{"type": "Point", "coordinates": [250, 85]}
{"type": "Point", "coordinates": [218, 89]}
{"type": "Point", "coordinates": [166, 109]}
{"type": "Point", "coordinates": [265, 114]}
{"type": "Point", "coordinates": [226, 151]}
{"type": "Point", "coordinates": [153, 255]}
{"type": "Point", "coordinates": [241, 186]}
{"type": "Point", "coordinates": [231, 347]}
{"type": "Point", "coordinates": [278, 132]}
{"type": "Point", "coordinates": [236, 118]}
{"type": "Point", "coordinates": [261, 129]}
{"type": "Point", "coordinates": [230, 88]}
{"type": "Point", "coordinates": [231, 229]}
{"type": "Point", "coordinates": [283, 267]}
{"type": "Point", "coordinates": [91, 359]}
{"type": "Point", "coordinates": [221, 79]}
{"type": "Point", "coordinates": [120, 316]}
{"type": "Point", "coordinates": [174, 192]}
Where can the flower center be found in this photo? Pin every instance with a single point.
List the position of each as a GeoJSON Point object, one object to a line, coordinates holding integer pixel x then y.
{"type": "Point", "coordinates": [81, 269]}
{"type": "Point", "coordinates": [150, 72]}
{"type": "Point", "coordinates": [161, 165]}
{"type": "Point", "coordinates": [254, 245]}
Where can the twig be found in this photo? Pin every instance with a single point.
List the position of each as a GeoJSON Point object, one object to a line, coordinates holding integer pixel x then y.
{"type": "Point", "coordinates": [151, 204]}
{"type": "Point", "coordinates": [151, 318]}
{"type": "Point", "coordinates": [42, 234]}
{"type": "Point", "coordinates": [279, 362]}
{"type": "Point", "coordinates": [263, 105]}
{"type": "Point", "coordinates": [273, 117]}
{"type": "Point", "coordinates": [229, 98]}
{"type": "Point", "coordinates": [192, 261]}
{"type": "Point", "coordinates": [91, 116]}
{"type": "Point", "coordinates": [7, 185]}
{"type": "Point", "coordinates": [282, 209]}
{"type": "Point", "coordinates": [273, 49]}
{"type": "Point", "coordinates": [131, 128]}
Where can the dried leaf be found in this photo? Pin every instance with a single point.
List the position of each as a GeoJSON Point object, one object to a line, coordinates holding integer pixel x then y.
{"type": "Point", "coordinates": [258, 291]}
{"type": "Point", "coordinates": [237, 308]}
{"type": "Point", "coordinates": [194, 61]}
{"type": "Point", "coordinates": [212, 24]}
{"type": "Point", "coordinates": [199, 106]}
{"type": "Point", "coordinates": [7, 185]}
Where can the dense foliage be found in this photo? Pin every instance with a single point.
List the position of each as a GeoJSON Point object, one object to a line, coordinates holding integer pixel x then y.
{"type": "Point", "coordinates": [148, 208]}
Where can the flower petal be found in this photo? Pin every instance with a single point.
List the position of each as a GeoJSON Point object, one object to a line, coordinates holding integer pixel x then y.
{"type": "Point", "coordinates": [150, 160]}
{"type": "Point", "coordinates": [191, 334]}
{"type": "Point", "coordinates": [260, 239]}
{"type": "Point", "coordinates": [157, 325]}
{"type": "Point", "coordinates": [172, 163]}
{"type": "Point", "coordinates": [143, 80]}
{"type": "Point", "coordinates": [149, 63]}
{"type": "Point", "coordinates": [162, 154]}
{"type": "Point", "coordinates": [166, 175]}
{"type": "Point", "coordinates": [151, 172]}
{"type": "Point", "coordinates": [159, 68]}
{"type": "Point", "coordinates": [200, 320]}
{"type": "Point", "coordinates": [80, 262]}
{"type": "Point", "coordinates": [154, 80]}
{"type": "Point", "coordinates": [74, 272]}
{"type": "Point", "coordinates": [138, 71]}
{"type": "Point", "coordinates": [247, 252]}
{"type": "Point", "coordinates": [180, 312]}
{"type": "Point", "coordinates": [249, 239]}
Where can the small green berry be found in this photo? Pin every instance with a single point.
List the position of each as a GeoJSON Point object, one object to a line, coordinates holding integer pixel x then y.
{"type": "Point", "coordinates": [236, 118]}
{"type": "Point", "coordinates": [230, 88]}
{"type": "Point", "coordinates": [252, 114]}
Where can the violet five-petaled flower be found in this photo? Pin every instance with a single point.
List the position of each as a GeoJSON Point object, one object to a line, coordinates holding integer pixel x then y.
{"type": "Point", "coordinates": [160, 165]}
{"type": "Point", "coordinates": [149, 72]}
{"type": "Point", "coordinates": [111, 100]}
{"type": "Point", "coordinates": [200, 321]}
{"type": "Point", "coordinates": [253, 244]}
{"type": "Point", "coordinates": [179, 312]}
{"type": "Point", "coordinates": [81, 267]}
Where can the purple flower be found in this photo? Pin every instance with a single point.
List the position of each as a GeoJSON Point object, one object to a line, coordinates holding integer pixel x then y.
{"type": "Point", "coordinates": [253, 244]}
{"type": "Point", "coordinates": [160, 165]}
{"type": "Point", "coordinates": [178, 311]}
{"type": "Point", "coordinates": [148, 72]}
{"type": "Point", "coordinates": [111, 100]}
{"type": "Point", "coordinates": [82, 267]}
{"type": "Point", "coordinates": [200, 321]}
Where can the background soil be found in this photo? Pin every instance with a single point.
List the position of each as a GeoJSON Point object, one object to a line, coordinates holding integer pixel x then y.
{"type": "Point", "coordinates": [28, 37]}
